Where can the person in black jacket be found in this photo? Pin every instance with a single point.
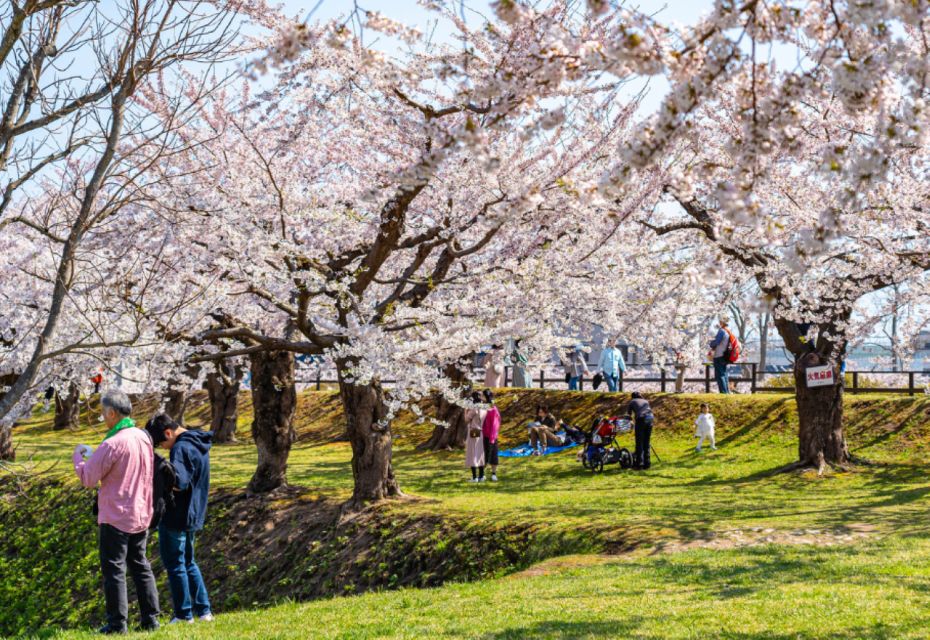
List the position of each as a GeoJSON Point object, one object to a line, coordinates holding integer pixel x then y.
{"type": "Point", "coordinates": [190, 457]}
{"type": "Point", "coordinates": [640, 410]}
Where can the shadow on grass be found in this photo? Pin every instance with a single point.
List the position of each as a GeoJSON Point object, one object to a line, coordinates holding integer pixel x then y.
{"type": "Point", "coordinates": [629, 627]}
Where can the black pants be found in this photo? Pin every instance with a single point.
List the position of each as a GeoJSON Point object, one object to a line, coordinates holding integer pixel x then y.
{"type": "Point", "coordinates": [119, 551]}
{"type": "Point", "coordinates": [643, 431]}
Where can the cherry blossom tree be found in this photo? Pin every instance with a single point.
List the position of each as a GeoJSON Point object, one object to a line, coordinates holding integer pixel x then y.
{"type": "Point", "coordinates": [76, 134]}
{"type": "Point", "coordinates": [818, 220]}
{"type": "Point", "coordinates": [391, 212]}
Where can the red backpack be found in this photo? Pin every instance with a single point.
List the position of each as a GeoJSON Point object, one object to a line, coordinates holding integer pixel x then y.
{"type": "Point", "coordinates": [732, 352]}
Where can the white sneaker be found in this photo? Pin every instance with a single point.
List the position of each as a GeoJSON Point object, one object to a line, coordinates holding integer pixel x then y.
{"type": "Point", "coordinates": [179, 621]}
{"type": "Point", "coordinates": [207, 617]}
{"type": "Point", "coordinates": [713, 448]}
{"type": "Point", "coordinates": [482, 479]}
{"type": "Point", "coordinates": [494, 477]}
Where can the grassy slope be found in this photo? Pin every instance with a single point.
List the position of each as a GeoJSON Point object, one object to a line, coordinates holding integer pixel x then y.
{"type": "Point", "coordinates": [684, 496]}
{"type": "Point", "coordinates": [738, 593]}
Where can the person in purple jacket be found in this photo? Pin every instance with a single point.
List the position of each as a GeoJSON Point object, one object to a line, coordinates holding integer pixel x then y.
{"type": "Point", "coordinates": [123, 466]}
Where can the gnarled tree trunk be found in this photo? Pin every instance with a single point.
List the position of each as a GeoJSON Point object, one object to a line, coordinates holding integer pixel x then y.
{"type": "Point", "coordinates": [179, 392]}
{"type": "Point", "coordinates": [67, 408]}
{"type": "Point", "coordinates": [450, 435]}
{"type": "Point", "coordinates": [821, 437]}
{"type": "Point", "coordinates": [7, 452]}
{"type": "Point", "coordinates": [223, 388]}
{"type": "Point", "coordinates": [370, 435]}
{"type": "Point", "coordinates": [274, 400]}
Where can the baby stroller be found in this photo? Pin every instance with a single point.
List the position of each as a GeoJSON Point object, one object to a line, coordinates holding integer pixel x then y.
{"type": "Point", "coordinates": [601, 446]}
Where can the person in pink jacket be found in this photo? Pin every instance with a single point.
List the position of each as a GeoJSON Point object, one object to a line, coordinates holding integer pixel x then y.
{"type": "Point", "coordinates": [122, 466]}
{"type": "Point", "coordinates": [490, 430]}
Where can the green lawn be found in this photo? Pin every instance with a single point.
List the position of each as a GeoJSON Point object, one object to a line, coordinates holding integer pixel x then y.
{"type": "Point", "coordinates": [871, 590]}
{"type": "Point", "coordinates": [721, 548]}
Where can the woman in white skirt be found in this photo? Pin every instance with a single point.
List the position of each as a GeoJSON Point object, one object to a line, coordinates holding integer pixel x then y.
{"type": "Point", "coordinates": [474, 445]}
{"type": "Point", "coordinates": [705, 427]}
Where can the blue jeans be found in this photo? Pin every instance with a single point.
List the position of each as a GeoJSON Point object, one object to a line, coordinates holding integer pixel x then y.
{"type": "Point", "coordinates": [721, 375]}
{"type": "Point", "coordinates": [573, 383]}
{"type": "Point", "coordinates": [611, 382]}
{"type": "Point", "coordinates": [184, 579]}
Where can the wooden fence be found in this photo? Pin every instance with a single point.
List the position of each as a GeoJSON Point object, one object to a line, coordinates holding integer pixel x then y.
{"type": "Point", "coordinates": [665, 380]}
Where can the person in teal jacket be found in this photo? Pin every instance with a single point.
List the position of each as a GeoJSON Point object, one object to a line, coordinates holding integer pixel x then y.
{"type": "Point", "coordinates": [612, 365]}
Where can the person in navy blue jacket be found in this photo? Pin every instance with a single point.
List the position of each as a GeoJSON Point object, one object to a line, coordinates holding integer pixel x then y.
{"type": "Point", "coordinates": [190, 457]}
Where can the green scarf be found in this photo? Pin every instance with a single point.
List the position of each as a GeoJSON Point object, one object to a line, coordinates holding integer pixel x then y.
{"type": "Point", "coordinates": [125, 423]}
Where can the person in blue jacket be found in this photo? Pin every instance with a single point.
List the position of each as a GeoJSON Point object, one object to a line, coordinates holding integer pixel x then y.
{"type": "Point", "coordinates": [190, 457]}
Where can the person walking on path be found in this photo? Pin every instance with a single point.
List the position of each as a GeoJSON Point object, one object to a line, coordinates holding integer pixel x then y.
{"type": "Point", "coordinates": [612, 365]}
{"type": "Point", "coordinates": [474, 442]}
{"type": "Point", "coordinates": [576, 367]}
{"type": "Point", "coordinates": [718, 352]}
{"type": "Point", "coordinates": [490, 430]}
{"type": "Point", "coordinates": [123, 466]}
{"type": "Point", "coordinates": [177, 531]}
{"type": "Point", "coordinates": [493, 364]}
{"type": "Point", "coordinates": [519, 360]}
{"type": "Point", "coordinates": [641, 412]}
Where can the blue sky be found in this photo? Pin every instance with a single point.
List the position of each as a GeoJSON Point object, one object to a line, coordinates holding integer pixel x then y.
{"type": "Point", "coordinates": [408, 11]}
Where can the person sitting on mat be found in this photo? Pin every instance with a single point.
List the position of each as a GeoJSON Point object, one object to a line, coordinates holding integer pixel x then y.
{"type": "Point", "coordinates": [543, 434]}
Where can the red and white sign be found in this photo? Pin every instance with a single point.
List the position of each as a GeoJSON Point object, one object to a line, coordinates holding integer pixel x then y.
{"type": "Point", "coordinates": [820, 376]}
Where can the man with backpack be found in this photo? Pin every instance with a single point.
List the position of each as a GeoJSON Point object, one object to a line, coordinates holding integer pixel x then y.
{"type": "Point", "coordinates": [123, 466]}
{"type": "Point", "coordinates": [184, 516]}
{"type": "Point", "coordinates": [724, 351]}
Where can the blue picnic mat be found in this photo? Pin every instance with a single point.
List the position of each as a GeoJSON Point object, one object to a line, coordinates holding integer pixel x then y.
{"type": "Point", "coordinates": [525, 450]}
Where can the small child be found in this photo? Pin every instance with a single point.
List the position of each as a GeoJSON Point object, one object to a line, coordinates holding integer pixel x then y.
{"type": "Point", "coordinates": [705, 428]}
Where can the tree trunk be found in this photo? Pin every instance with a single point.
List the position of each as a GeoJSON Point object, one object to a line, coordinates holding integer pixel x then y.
{"type": "Point", "coordinates": [370, 434]}
{"type": "Point", "coordinates": [821, 439]}
{"type": "Point", "coordinates": [763, 341]}
{"type": "Point", "coordinates": [179, 392]}
{"type": "Point", "coordinates": [223, 389]}
{"type": "Point", "coordinates": [451, 434]}
{"type": "Point", "coordinates": [7, 452]}
{"type": "Point", "coordinates": [274, 400]}
{"type": "Point", "coordinates": [67, 409]}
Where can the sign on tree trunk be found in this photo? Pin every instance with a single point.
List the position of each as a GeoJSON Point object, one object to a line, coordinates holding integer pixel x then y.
{"type": "Point", "coordinates": [820, 376]}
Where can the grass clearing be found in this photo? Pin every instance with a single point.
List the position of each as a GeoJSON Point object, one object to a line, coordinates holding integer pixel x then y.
{"type": "Point", "coordinates": [850, 561]}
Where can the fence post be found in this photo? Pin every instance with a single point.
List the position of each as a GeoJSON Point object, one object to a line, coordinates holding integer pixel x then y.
{"type": "Point", "coordinates": [620, 383]}
{"type": "Point", "coordinates": [910, 383]}
{"type": "Point", "coordinates": [706, 378]}
{"type": "Point", "coordinates": [506, 375]}
{"type": "Point", "coordinates": [855, 381]}
{"type": "Point", "coordinates": [542, 378]}
{"type": "Point", "coordinates": [662, 379]}
{"type": "Point", "coordinates": [318, 374]}
{"type": "Point", "coordinates": [580, 383]}
{"type": "Point", "coordinates": [752, 389]}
